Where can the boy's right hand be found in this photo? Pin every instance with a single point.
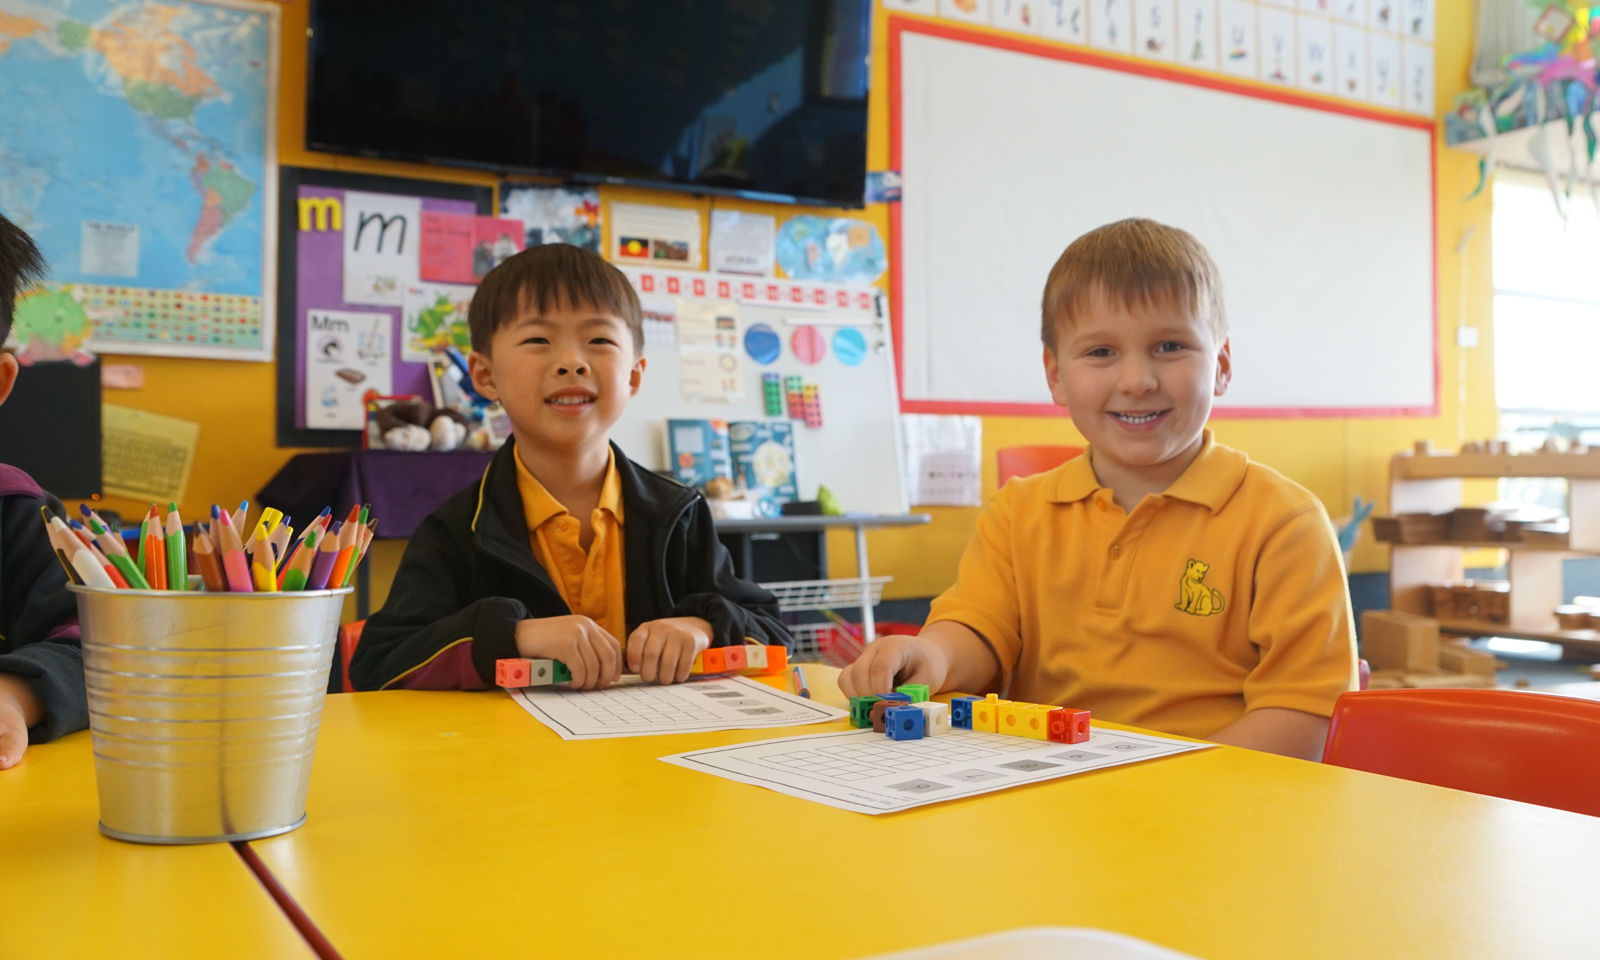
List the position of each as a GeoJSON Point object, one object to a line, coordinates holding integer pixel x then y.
{"type": "Point", "coordinates": [593, 655]}
{"type": "Point", "coordinates": [889, 661]}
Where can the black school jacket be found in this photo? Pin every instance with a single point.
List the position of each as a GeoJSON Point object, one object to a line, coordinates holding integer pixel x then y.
{"type": "Point", "coordinates": [469, 575]}
{"type": "Point", "coordinates": [38, 617]}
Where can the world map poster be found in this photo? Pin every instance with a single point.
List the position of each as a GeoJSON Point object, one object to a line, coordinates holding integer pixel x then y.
{"type": "Point", "coordinates": [137, 149]}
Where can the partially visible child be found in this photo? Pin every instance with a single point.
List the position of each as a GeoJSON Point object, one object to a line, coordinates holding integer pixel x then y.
{"type": "Point", "coordinates": [566, 549]}
{"type": "Point", "coordinates": [1161, 579]}
{"type": "Point", "coordinates": [41, 664]}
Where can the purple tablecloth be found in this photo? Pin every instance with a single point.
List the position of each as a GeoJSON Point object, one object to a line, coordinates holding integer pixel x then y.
{"type": "Point", "coordinates": [402, 487]}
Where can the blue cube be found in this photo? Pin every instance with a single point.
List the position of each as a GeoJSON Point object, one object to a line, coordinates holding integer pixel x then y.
{"type": "Point", "coordinates": [904, 723]}
{"type": "Point", "coordinates": [901, 697]}
{"type": "Point", "coordinates": [961, 711]}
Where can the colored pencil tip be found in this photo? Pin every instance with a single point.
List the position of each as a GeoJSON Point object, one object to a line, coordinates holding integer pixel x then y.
{"type": "Point", "coordinates": [172, 507]}
{"type": "Point", "coordinates": [83, 508]}
{"type": "Point", "coordinates": [215, 510]}
{"type": "Point", "coordinates": [355, 512]}
{"type": "Point", "coordinates": [326, 511]}
{"type": "Point", "coordinates": [244, 505]}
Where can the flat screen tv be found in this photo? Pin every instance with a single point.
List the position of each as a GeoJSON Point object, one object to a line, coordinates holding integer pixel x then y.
{"type": "Point", "coordinates": [760, 98]}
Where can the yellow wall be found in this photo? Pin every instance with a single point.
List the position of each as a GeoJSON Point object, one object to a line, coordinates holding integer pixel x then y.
{"type": "Point", "coordinates": [1336, 458]}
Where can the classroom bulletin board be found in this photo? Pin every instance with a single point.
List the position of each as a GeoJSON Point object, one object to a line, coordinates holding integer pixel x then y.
{"type": "Point", "coordinates": [1320, 216]}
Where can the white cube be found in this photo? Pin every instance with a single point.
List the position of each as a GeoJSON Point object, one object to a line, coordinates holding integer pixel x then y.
{"type": "Point", "coordinates": [541, 673]}
{"type": "Point", "coordinates": [936, 718]}
{"type": "Point", "coordinates": [755, 655]}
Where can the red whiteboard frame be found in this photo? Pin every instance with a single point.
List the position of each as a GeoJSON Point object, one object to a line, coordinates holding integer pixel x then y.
{"type": "Point", "coordinates": [899, 26]}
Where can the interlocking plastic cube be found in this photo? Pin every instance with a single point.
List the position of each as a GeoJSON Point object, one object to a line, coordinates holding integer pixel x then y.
{"type": "Point", "coordinates": [755, 657]}
{"type": "Point", "coordinates": [961, 711]}
{"type": "Point", "coordinates": [876, 712]}
{"type": "Point", "coordinates": [513, 673]}
{"type": "Point", "coordinates": [1029, 720]}
{"type": "Point", "coordinates": [733, 658]}
{"type": "Point", "coordinates": [897, 697]}
{"type": "Point", "coordinates": [777, 659]}
{"type": "Point", "coordinates": [713, 660]}
{"type": "Point", "coordinates": [543, 673]}
{"type": "Point", "coordinates": [904, 723]}
{"type": "Point", "coordinates": [936, 718]}
{"type": "Point", "coordinates": [861, 710]}
{"type": "Point", "coordinates": [1069, 726]}
{"type": "Point", "coordinates": [918, 692]}
{"type": "Point", "coordinates": [986, 714]}
{"type": "Point", "coordinates": [559, 672]}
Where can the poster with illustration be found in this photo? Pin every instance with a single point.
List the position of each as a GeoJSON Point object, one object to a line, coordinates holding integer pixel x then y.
{"type": "Point", "coordinates": [1277, 46]}
{"type": "Point", "coordinates": [1155, 29]}
{"type": "Point", "coordinates": [1316, 54]}
{"type": "Point", "coordinates": [382, 236]}
{"type": "Point", "coordinates": [347, 354]}
{"type": "Point", "coordinates": [493, 240]}
{"type": "Point", "coordinates": [831, 249]}
{"type": "Point", "coordinates": [553, 214]}
{"type": "Point", "coordinates": [1017, 15]}
{"type": "Point", "coordinates": [967, 11]}
{"type": "Point", "coordinates": [1383, 53]}
{"type": "Point", "coordinates": [434, 316]}
{"type": "Point", "coordinates": [1111, 25]}
{"type": "Point", "coordinates": [1197, 34]}
{"type": "Point", "coordinates": [1064, 20]}
{"type": "Point", "coordinates": [1236, 22]}
{"type": "Point", "coordinates": [1350, 61]}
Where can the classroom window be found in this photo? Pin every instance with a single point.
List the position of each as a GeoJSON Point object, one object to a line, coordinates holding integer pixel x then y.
{"type": "Point", "coordinates": [1546, 323]}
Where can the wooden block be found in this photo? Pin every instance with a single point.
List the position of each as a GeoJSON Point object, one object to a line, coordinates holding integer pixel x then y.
{"type": "Point", "coordinates": [1432, 681]}
{"type": "Point", "coordinates": [1478, 663]}
{"type": "Point", "coordinates": [1391, 640]}
{"type": "Point", "coordinates": [1031, 720]}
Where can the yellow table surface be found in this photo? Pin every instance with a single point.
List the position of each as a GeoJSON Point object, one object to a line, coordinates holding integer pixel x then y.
{"type": "Point", "coordinates": [455, 823]}
{"type": "Point", "coordinates": [68, 891]}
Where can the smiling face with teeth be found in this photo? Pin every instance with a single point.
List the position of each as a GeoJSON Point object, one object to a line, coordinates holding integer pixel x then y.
{"type": "Point", "coordinates": [1138, 379]}
{"type": "Point", "coordinates": [564, 376]}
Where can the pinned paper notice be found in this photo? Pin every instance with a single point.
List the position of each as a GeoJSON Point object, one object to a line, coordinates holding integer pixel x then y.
{"type": "Point", "coordinates": [109, 249]}
{"type": "Point", "coordinates": [145, 456]}
{"type": "Point", "coordinates": [382, 240]}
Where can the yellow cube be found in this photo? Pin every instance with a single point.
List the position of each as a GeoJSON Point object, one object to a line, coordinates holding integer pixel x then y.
{"type": "Point", "coordinates": [1029, 720]}
{"type": "Point", "coordinates": [986, 713]}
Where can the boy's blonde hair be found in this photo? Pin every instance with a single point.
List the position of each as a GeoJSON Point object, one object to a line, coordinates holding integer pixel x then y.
{"type": "Point", "coordinates": [1134, 262]}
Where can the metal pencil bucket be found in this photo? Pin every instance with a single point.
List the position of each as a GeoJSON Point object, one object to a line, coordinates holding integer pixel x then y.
{"type": "Point", "coordinates": [204, 708]}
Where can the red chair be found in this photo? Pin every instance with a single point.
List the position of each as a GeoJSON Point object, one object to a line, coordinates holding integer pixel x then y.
{"type": "Point", "coordinates": [349, 636]}
{"type": "Point", "coordinates": [1533, 747]}
{"type": "Point", "coordinates": [1026, 461]}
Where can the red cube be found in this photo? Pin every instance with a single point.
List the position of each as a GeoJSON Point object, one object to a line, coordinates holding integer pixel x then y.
{"type": "Point", "coordinates": [513, 672]}
{"type": "Point", "coordinates": [1068, 726]}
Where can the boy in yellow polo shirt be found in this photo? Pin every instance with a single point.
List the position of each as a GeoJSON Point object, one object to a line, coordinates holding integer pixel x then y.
{"type": "Point", "coordinates": [1161, 579]}
{"type": "Point", "coordinates": [566, 549]}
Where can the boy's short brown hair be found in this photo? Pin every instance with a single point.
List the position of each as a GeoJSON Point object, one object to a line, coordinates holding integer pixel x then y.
{"type": "Point", "coordinates": [1134, 262]}
{"type": "Point", "coordinates": [551, 276]}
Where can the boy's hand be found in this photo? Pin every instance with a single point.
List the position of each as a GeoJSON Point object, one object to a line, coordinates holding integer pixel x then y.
{"type": "Point", "coordinates": [889, 661]}
{"type": "Point", "coordinates": [593, 655]}
{"type": "Point", "coordinates": [17, 706]}
{"type": "Point", "coordinates": [662, 651]}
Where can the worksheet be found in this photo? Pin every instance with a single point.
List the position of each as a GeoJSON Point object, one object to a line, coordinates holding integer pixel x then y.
{"type": "Point", "coordinates": [867, 772]}
{"type": "Point", "coordinates": [634, 708]}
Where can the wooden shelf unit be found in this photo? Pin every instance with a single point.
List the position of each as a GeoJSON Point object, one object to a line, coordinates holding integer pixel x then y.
{"type": "Point", "coordinates": [1433, 484]}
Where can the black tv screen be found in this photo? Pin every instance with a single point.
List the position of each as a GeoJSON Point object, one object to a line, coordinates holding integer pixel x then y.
{"type": "Point", "coordinates": [764, 98]}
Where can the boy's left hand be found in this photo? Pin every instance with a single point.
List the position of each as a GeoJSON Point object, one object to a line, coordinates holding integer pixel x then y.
{"type": "Point", "coordinates": [662, 651]}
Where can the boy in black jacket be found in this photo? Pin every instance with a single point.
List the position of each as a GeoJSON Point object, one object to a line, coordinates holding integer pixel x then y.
{"type": "Point", "coordinates": [41, 664]}
{"type": "Point", "coordinates": [566, 549]}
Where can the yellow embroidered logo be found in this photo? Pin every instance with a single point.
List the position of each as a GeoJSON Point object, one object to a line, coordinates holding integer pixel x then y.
{"type": "Point", "coordinates": [1194, 597]}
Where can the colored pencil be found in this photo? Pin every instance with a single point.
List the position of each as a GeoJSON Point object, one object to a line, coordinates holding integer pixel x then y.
{"type": "Point", "coordinates": [347, 549]}
{"type": "Point", "coordinates": [318, 525]}
{"type": "Point", "coordinates": [239, 516]}
{"type": "Point", "coordinates": [263, 569]}
{"type": "Point", "coordinates": [267, 523]}
{"type": "Point", "coordinates": [234, 566]}
{"type": "Point", "coordinates": [322, 564]}
{"type": "Point", "coordinates": [177, 551]}
{"type": "Point", "coordinates": [75, 532]}
{"type": "Point", "coordinates": [59, 546]}
{"type": "Point", "coordinates": [209, 562]}
{"type": "Point", "coordinates": [144, 528]}
{"type": "Point", "coordinates": [89, 570]}
{"type": "Point", "coordinates": [299, 568]}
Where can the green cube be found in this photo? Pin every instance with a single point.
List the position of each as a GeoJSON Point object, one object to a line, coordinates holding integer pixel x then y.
{"type": "Point", "coordinates": [559, 672]}
{"type": "Point", "coordinates": [861, 710]}
{"type": "Point", "coordinates": [918, 692]}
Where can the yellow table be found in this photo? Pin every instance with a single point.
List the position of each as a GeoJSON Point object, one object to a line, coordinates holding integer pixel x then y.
{"type": "Point", "coordinates": [455, 823]}
{"type": "Point", "coordinates": [67, 891]}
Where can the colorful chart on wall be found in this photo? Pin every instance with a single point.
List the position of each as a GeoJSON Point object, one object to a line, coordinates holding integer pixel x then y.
{"type": "Point", "coordinates": [850, 346]}
{"type": "Point", "coordinates": [147, 174]}
{"type": "Point", "coordinates": [831, 249]}
{"type": "Point", "coordinates": [352, 315]}
{"type": "Point", "coordinates": [762, 343]}
{"type": "Point", "coordinates": [808, 345]}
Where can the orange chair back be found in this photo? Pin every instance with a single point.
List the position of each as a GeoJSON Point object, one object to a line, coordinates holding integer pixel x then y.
{"type": "Point", "coordinates": [349, 636]}
{"type": "Point", "coordinates": [1533, 747]}
{"type": "Point", "coordinates": [1026, 461]}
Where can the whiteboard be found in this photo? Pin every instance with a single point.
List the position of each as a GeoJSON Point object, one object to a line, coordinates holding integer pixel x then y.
{"type": "Point", "coordinates": [1320, 220]}
{"type": "Point", "coordinates": [856, 451]}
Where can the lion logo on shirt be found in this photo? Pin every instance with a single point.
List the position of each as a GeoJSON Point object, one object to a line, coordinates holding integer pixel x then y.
{"type": "Point", "coordinates": [1194, 597]}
